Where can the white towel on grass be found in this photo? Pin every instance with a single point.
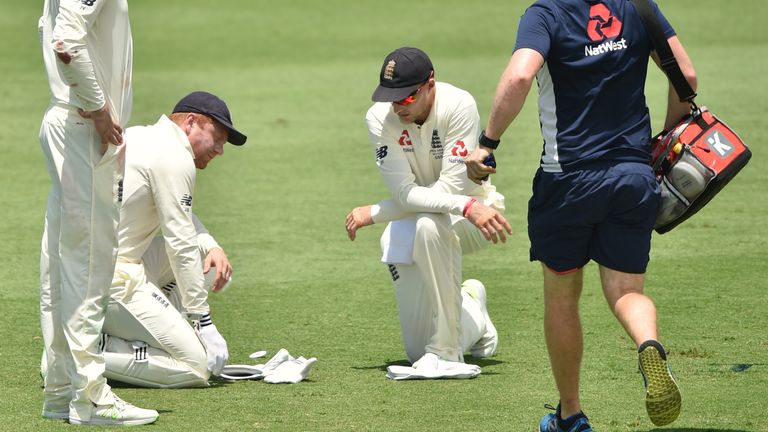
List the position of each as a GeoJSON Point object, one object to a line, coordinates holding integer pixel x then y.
{"type": "Point", "coordinates": [432, 367]}
{"type": "Point", "coordinates": [397, 242]}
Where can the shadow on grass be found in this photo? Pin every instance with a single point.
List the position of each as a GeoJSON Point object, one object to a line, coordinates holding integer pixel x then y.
{"type": "Point", "coordinates": [482, 362]}
{"type": "Point", "coordinates": [739, 367]}
{"type": "Point", "coordinates": [692, 430]}
{"type": "Point", "coordinates": [212, 383]}
{"type": "Point", "coordinates": [384, 366]}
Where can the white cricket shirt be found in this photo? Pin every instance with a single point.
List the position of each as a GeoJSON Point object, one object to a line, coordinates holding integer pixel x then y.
{"type": "Point", "coordinates": [423, 166]}
{"type": "Point", "coordinates": [96, 35]}
{"type": "Point", "coordinates": [157, 195]}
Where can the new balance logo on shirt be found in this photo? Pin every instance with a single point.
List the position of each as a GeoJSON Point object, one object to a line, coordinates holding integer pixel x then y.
{"type": "Point", "coordinates": [381, 153]}
{"type": "Point", "coordinates": [186, 201]}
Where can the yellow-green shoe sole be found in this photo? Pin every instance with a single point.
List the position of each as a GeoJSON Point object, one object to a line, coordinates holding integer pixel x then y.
{"type": "Point", "coordinates": [662, 395]}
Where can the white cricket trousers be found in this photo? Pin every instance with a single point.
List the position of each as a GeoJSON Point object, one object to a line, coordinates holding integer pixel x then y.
{"type": "Point", "coordinates": [149, 342]}
{"type": "Point", "coordinates": [77, 258]}
{"type": "Point", "coordinates": [435, 316]}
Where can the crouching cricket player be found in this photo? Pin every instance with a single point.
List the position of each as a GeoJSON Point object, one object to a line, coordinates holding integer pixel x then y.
{"type": "Point", "coordinates": [421, 130]}
{"type": "Point", "coordinates": [157, 196]}
{"type": "Point", "coordinates": [148, 339]}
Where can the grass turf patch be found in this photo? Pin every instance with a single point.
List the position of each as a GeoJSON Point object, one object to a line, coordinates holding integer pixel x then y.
{"type": "Point", "coordinates": [298, 78]}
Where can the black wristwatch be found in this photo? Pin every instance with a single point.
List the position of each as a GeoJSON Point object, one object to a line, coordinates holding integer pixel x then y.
{"type": "Point", "coordinates": [487, 142]}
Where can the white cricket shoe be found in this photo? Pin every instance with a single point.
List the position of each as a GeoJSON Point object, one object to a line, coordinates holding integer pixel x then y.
{"type": "Point", "coordinates": [486, 346]}
{"type": "Point", "coordinates": [119, 413]}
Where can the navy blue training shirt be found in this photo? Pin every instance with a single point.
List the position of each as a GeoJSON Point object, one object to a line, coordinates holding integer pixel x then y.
{"type": "Point", "coordinates": [591, 87]}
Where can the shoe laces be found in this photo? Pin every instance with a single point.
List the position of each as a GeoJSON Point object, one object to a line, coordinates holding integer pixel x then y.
{"type": "Point", "coordinates": [121, 405]}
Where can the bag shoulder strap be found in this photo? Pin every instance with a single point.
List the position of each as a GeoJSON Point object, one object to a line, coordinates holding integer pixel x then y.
{"type": "Point", "coordinates": [668, 62]}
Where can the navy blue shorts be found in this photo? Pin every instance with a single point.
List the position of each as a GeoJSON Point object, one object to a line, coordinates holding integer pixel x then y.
{"type": "Point", "coordinates": [605, 213]}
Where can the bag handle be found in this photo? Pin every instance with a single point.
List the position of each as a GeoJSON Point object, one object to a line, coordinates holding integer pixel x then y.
{"type": "Point", "coordinates": [667, 58]}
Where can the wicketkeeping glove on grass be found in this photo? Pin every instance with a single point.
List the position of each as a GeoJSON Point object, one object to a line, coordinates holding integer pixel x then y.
{"type": "Point", "coordinates": [291, 371]}
{"type": "Point", "coordinates": [281, 368]}
{"type": "Point", "coordinates": [215, 345]}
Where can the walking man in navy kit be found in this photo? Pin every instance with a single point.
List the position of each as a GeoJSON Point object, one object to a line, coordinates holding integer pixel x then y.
{"type": "Point", "coordinates": [595, 196]}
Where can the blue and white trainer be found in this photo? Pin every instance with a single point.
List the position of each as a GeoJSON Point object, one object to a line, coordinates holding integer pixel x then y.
{"type": "Point", "coordinates": [551, 422]}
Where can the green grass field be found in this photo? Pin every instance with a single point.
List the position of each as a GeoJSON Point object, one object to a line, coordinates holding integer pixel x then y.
{"type": "Point", "coordinates": [298, 76]}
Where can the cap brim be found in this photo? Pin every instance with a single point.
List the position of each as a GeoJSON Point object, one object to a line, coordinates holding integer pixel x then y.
{"type": "Point", "coordinates": [234, 136]}
{"type": "Point", "coordinates": [388, 94]}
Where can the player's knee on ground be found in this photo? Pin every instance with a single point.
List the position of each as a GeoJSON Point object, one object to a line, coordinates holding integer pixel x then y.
{"type": "Point", "coordinates": [141, 365]}
{"type": "Point", "coordinates": [427, 228]}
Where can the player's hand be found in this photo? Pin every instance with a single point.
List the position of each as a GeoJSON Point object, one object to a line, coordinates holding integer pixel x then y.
{"type": "Point", "coordinates": [358, 218]}
{"type": "Point", "coordinates": [491, 223]}
{"type": "Point", "coordinates": [217, 260]}
{"type": "Point", "coordinates": [215, 347]}
{"type": "Point", "coordinates": [109, 131]}
{"type": "Point", "coordinates": [476, 169]}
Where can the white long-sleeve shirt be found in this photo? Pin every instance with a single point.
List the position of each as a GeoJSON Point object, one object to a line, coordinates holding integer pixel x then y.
{"type": "Point", "coordinates": [423, 166]}
{"type": "Point", "coordinates": [95, 37]}
{"type": "Point", "coordinates": [204, 238]}
{"type": "Point", "coordinates": [157, 195]}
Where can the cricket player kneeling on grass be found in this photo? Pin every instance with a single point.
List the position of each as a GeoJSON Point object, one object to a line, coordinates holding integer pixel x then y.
{"type": "Point", "coordinates": [147, 341]}
{"type": "Point", "coordinates": [150, 341]}
{"type": "Point", "coordinates": [420, 131]}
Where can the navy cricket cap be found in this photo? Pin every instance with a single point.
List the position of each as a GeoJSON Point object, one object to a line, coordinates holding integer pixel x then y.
{"type": "Point", "coordinates": [205, 103]}
{"type": "Point", "coordinates": [403, 71]}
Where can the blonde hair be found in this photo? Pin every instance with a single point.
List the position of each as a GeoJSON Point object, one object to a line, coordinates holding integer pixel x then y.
{"type": "Point", "coordinates": [179, 117]}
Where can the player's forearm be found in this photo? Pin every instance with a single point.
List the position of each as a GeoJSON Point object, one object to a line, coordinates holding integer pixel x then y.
{"type": "Point", "coordinates": [454, 180]}
{"type": "Point", "coordinates": [412, 198]}
{"type": "Point", "coordinates": [509, 100]}
{"type": "Point", "coordinates": [513, 88]}
{"type": "Point", "coordinates": [194, 296]}
{"type": "Point", "coordinates": [387, 211]}
{"type": "Point", "coordinates": [205, 240]}
{"type": "Point", "coordinates": [74, 60]}
{"type": "Point", "coordinates": [419, 199]}
{"type": "Point", "coordinates": [676, 109]}
{"type": "Point", "coordinates": [187, 265]}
